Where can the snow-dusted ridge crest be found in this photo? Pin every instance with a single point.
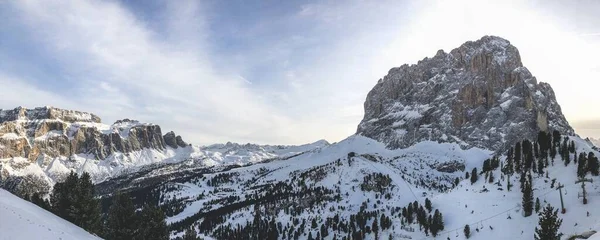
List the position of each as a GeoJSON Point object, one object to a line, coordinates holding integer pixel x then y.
{"type": "Point", "coordinates": [478, 94]}
{"type": "Point", "coordinates": [49, 142]}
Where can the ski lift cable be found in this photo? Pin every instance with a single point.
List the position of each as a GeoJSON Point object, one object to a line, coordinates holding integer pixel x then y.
{"type": "Point", "coordinates": [493, 216]}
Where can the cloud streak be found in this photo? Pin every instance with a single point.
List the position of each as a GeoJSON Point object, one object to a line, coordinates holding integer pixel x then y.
{"type": "Point", "coordinates": [293, 74]}
{"type": "Point", "coordinates": [125, 70]}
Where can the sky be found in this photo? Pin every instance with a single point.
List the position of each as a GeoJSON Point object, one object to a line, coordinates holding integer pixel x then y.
{"type": "Point", "coordinates": [272, 72]}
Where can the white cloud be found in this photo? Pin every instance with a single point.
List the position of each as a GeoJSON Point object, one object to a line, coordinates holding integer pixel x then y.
{"type": "Point", "coordinates": [320, 73]}
{"type": "Point", "coordinates": [381, 36]}
{"type": "Point", "coordinates": [124, 70]}
{"type": "Point", "coordinates": [16, 92]}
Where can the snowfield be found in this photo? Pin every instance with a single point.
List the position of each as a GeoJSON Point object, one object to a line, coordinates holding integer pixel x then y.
{"type": "Point", "coordinates": [20, 219]}
{"type": "Point", "coordinates": [117, 164]}
{"type": "Point", "coordinates": [492, 212]}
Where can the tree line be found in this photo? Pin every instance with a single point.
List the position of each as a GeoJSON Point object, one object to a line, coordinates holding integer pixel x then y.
{"type": "Point", "coordinates": [73, 199]}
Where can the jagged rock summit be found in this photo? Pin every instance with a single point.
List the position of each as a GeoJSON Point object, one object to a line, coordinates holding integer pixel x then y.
{"type": "Point", "coordinates": [50, 142]}
{"type": "Point", "coordinates": [54, 132]}
{"type": "Point", "coordinates": [42, 145]}
{"type": "Point", "coordinates": [479, 94]}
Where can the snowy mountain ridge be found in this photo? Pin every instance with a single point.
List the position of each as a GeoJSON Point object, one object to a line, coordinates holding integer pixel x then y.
{"type": "Point", "coordinates": [360, 174]}
{"type": "Point", "coordinates": [595, 141]}
{"type": "Point", "coordinates": [44, 144]}
{"type": "Point", "coordinates": [479, 94]}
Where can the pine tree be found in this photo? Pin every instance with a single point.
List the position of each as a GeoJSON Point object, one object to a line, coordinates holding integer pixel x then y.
{"type": "Point", "coordinates": [190, 234]}
{"type": "Point", "coordinates": [522, 180]}
{"type": "Point", "coordinates": [549, 225]}
{"type": "Point", "coordinates": [491, 177]}
{"type": "Point", "coordinates": [63, 197]}
{"type": "Point", "coordinates": [152, 224]}
{"type": "Point", "coordinates": [467, 231]}
{"type": "Point", "coordinates": [509, 166]}
{"type": "Point", "coordinates": [518, 155]}
{"type": "Point", "coordinates": [527, 154]}
{"type": "Point", "coordinates": [572, 147]}
{"type": "Point", "coordinates": [527, 199]}
{"type": "Point", "coordinates": [428, 204]}
{"type": "Point", "coordinates": [467, 175]}
{"type": "Point", "coordinates": [436, 223]}
{"type": "Point", "coordinates": [86, 208]}
{"type": "Point", "coordinates": [122, 220]}
{"type": "Point", "coordinates": [486, 166]}
{"type": "Point", "coordinates": [537, 205]}
{"type": "Point", "coordinates": [582, 166]}
{"type": "Point", "coordinates": [508, 184]}
{"type": "Point", "coordinates": [593, 166]}
{"type": "Point", "coordinates": [375, 228]}
{"type": "Point", "coordinates": [474, 176]}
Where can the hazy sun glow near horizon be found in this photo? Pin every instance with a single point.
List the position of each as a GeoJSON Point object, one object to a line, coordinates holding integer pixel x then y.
{"type": "Point", "coordinates": [272, 72]}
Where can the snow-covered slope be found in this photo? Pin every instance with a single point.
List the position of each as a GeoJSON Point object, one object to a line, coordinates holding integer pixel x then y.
{"type": "Point", "coordinates": [20, 219]}
{"type": "Point", "coordinates": [501, 209]}
{"type": "Point", "coordinates": [234, 153]}
{"type": "Point", "coordinates": [595, 141]}
{"type": "Point", "coordinates": [344, 173]}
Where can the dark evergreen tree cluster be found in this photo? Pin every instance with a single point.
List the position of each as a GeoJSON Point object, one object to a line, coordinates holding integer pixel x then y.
{"type": "Point", "coordinates": [587, 163]}
{"type": "Point", "coordinates": [125, 223]}
{"type": "Point", "coordinates": [221, 178]}
{"type": "Point", "coordinates": [376, 182]}
{"type": "Point", "coordinates": [73, 200]}
{"type": "Point", "coordinates": [491, 164]}
{"type": "Point", "coordinates": [527, 157]}
{"type": "Point", "coordinates": [427, 222]}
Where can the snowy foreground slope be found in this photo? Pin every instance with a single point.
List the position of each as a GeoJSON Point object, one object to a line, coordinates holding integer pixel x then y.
{"type": "Point", "coordinates": [20, 219]}
{"type": "Point", "coordinates": [231, 198]}
{"type": "Point", "coordinates": [493, 208]}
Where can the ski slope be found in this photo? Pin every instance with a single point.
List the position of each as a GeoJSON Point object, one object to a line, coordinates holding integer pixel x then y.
{"type": "Point", "coordinates": [492, 212]}
{"type": "Point", "coordinates": [20, 219]}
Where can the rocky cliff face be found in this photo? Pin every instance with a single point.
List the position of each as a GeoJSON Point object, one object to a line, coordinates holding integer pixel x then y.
{"type": "Point", "coordinates": [52, 132]}
{"type": "Point", "coordinates": [479, 94]}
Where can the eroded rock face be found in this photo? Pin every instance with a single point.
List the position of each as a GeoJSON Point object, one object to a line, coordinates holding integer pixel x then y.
{"type": "Point", "coordinates": [477, 95]}
{"type": "Point", "coordinates": [43, 113]}
{"type": "Point", "coordinates": [174, 141]}
{"type": "Point", "coordinates": [52, 132]}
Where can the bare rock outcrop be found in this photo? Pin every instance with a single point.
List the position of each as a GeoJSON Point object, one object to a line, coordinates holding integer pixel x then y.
{"type": "Point", "coordinates": [479, 94]}
{"type": "Point", "coordinates": [53, 132]}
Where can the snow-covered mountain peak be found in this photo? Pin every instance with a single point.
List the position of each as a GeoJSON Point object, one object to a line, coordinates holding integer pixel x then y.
{"type": "Point", "coordinates": [49, 142]}
{"type": "Point", "coordinates": [46, 113]}
{"type": "Point", "coordinates": [479, 94]}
